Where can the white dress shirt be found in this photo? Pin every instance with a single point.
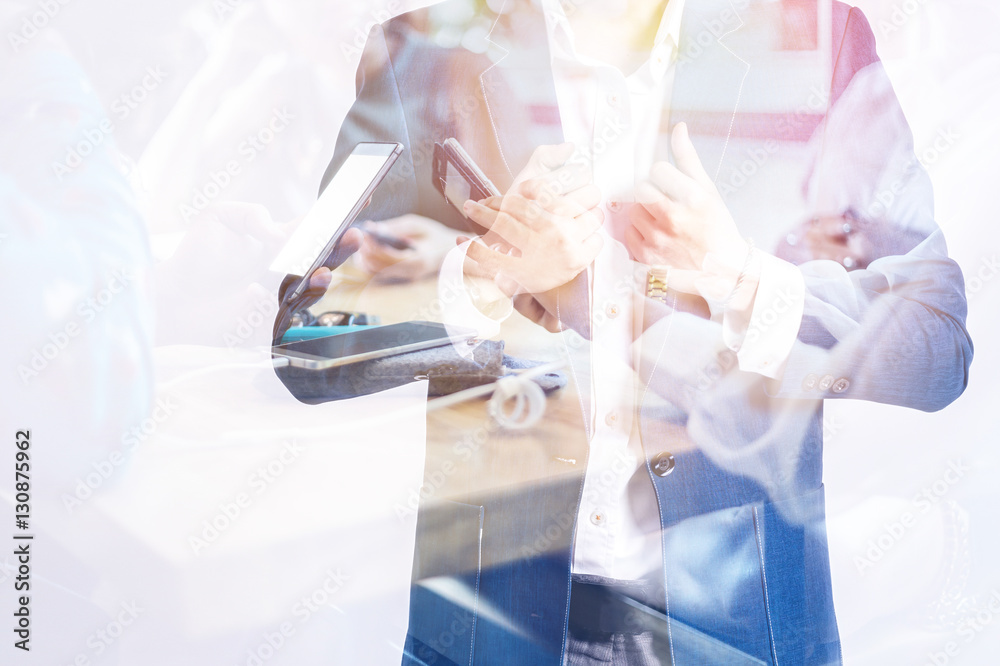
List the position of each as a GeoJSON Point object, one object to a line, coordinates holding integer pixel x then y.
{"type": "Point", "coordinates": [614, 120]}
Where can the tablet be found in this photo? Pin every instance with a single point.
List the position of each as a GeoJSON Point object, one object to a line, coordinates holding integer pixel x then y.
{"type": "Point", "coordinates": [375, 342]}
{"type": "Point", "coordinates": [335, 210]}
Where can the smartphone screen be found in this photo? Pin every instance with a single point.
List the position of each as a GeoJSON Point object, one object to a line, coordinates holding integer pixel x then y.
{"type": "Point", "coordinates": [375, 342]}
{"type": "Point", "coordinates": [336, 209]}
{"type": "Point", "coordinates": [457, 176]}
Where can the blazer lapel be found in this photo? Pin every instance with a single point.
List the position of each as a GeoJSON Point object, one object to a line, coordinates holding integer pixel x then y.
{"type": "Point", "coordinates": [708, 79]}
{"type": "Point", "coordinates": [522, 109]}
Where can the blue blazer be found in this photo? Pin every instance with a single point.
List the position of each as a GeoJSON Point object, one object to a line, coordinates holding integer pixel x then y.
{"type": "Point", "coordinates": [746, 573]}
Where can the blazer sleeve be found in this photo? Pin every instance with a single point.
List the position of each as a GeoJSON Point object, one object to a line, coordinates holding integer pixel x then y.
{"type": "Point", "coordinates": [378, 115]}
{"type": "Point", "coordinates": [893, 332]}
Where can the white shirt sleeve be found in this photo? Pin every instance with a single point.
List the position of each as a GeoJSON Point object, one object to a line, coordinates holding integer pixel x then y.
{"type": "Point", "coordinates": [766, 342]}
{"type": "Point", "coordinates": [470, 302]}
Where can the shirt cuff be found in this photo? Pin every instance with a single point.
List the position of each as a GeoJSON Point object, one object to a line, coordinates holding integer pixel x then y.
{"type": "Point", "coordinates": [470, 302]}
{"type": "Point", "coordinates": [767, 341]}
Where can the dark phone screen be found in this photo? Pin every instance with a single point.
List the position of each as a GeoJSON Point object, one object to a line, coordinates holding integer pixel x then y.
{"type": "Point", "coordinates": [370, 340]}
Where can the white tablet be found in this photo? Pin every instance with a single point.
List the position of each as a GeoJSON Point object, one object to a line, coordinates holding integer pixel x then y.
{"type": "Point", "coordinates": [335, 210]}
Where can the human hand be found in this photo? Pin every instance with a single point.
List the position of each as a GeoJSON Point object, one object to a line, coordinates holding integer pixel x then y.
{"type": "Point", "coordinates": [849, 241]}
{"type": "Point", "coordinates": [682, 222]}
{"type": "Point", "coordinates": [346, 246]}
{"type": "Point", "coordinates": [429, 242]}
{"type": "Point", "coordinates": [543, 232]}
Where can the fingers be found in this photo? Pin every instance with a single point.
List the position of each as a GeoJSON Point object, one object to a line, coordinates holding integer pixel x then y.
{"type": "Point", "coordinates": [635, 242]}
{"type": "Point", "coordinates": [682, 183]}
{"type": "Point", "coordinates": [654, 206]}
{"type": "Point", "coordinates": [513, 224]}
{"type": "Point", "coordinates": [350, 242]}
{"type": "Point", "coordinates": [376, 256]}
{"type": "Point", "coordinates": [551, 185]}
{"type": "Point", "coordinates": [592, 246]}
{"type": "Point", "coordinates": [686, 157]}
{"type": "Point", "coordinates": [482, 213]}
{"type": "Point", "coordinates": [644, 220]}
{"type": "Point", "coordinates": [547, 158]}
{"type": "Point", "coordinates": [529, 306]}
{"type": "Point", "coordinates": [667, 180]}
{"type": "Point", "coordinates": [589, 222]}
{"type": "Point", "coordinates": [486, 262]}
{"type": "Point", "coordinates": [577, 202]}
{"type": "Point", "coordinates": [511, 215]}
{"type": "Point", "coordinates": [321, 278]}
{"type": "Point", "coordinates": [345, 247]}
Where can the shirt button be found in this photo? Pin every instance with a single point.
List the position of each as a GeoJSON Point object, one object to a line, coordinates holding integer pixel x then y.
{"type": "Point", "coordinates": [614, 206]}
{"type": "Point", "coordinates": [826, 382]}
{"type": "Point", "coordinates": [611, 419]}
{"type": "Point", "coordinates": [612, 99]}
{"type": "Point", "coordinates": [663, 464]}
{"type": "Point", "coordinates": [840, 385]}
{"type": "Point", "coordinates": [611, 310]}
{"type": "Point", "coordinates": [598, 518]}
{"type": "Point", "coordinates": [810, 382]}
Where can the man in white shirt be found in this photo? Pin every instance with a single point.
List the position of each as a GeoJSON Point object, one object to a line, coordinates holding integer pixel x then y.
{"type": "Point", "coordinates": [700, 507]}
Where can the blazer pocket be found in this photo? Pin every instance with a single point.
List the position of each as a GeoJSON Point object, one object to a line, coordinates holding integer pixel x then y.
{"type": "Point", "coordinates": [444, 594]}
{"type": "Point", "coordinates": [795, 578]}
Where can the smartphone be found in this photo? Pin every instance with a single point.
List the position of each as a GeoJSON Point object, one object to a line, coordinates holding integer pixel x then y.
{"type": "Point", "coordinates": [395, 242]}
{"type": "Point", "coordinates": [371, 343]}
{"type": "Point", "coordinates": [335, 210]}
{"type": "Point", "coordinates": [457, 177]}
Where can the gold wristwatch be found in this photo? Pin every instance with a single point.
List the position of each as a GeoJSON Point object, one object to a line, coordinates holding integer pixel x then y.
{"type": "Point", "coordinates": [656, 282]}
